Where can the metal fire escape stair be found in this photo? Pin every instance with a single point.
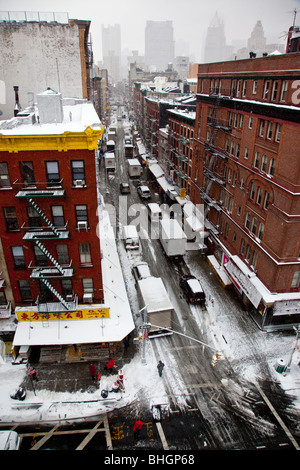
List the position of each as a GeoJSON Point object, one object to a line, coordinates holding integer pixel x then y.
{"type": "Point", "coordinates": [45, 273]}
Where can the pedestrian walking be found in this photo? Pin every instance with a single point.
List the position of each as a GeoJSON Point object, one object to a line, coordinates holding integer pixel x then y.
{"type": "Point", "coordinates": [137, 429]}
{"type": "Point", "coordinates": [92, 371]}
{"type": "Point", "coordinates": [160, 367]}
{"type": "Point", "coordinates": [32, 372]}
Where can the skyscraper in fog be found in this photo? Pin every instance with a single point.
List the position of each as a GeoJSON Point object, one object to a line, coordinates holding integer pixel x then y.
{"type": "Point", "coordinates": [216, 49]}
{"type": "Point", "coordinates": [159, 45]}
{"type": "Point", "coordinates": [111, 50]}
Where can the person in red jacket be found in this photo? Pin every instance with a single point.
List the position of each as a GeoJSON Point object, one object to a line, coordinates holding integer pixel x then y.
{"type": "Point", "coordinates": [137, 428]}
{"type": "Point", "coordinates": [110, 365]}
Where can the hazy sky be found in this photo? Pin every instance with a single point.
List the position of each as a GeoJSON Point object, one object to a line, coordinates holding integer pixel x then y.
{"type": "Point", "coordinates": [191, 18]}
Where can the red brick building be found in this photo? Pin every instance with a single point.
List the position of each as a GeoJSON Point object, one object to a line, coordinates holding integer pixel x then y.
{"type": "Point", "coordinates": [50, 255]}
{"type": "Point", "coordinates": [246, 171]}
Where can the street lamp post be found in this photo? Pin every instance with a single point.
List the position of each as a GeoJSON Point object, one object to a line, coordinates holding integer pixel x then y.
{"type": "Point", "coordinates": [294, 349]}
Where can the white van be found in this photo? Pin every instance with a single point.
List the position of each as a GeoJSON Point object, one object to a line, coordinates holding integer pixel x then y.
{"type": "Point", "coordinates": [130, 237]}
{"type": "Point", "coordinates": [154, 211]}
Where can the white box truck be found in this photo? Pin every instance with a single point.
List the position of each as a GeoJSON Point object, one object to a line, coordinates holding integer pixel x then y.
{"type": "Point", "coordinates": [134, 167]}
{"type": "Point", "coordinates": [159, 309]}
{"type": "Point", "coordinates": [110, 161]}
{"type": "Point", "coordinates": [172, 237]}
{"type": "Point", "coordinates": [130, 237]}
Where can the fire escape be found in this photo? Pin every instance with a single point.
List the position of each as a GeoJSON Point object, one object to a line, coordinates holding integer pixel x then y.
{"type": "Point", "coordinates": [214, 152]}
{"type": "Point", "coordinates": [40, 236]}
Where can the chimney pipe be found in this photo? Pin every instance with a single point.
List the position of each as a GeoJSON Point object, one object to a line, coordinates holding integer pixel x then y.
{"type": "Point", "coordinates": [17, 105]}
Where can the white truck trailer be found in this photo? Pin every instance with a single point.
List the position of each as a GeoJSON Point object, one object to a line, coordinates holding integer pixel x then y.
{"type": "Point", "coordinates": [134, 167]}
{"type": "Point", "coordinates": [172, 238]}
{"type": "Point", "coordinates": [110, 161]}
{"type": "Point", "coordinates": [153, 295]}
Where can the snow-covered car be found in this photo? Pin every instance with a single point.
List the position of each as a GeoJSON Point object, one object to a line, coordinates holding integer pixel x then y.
{"type": "Point", "coordinates": [9, 440]}
{"type": "Point", "coordinates": [144, 192]}
{"type": "Point", "coordinates": [141, 271]}
{"type": "Point", "coordinates": [124, 188]}
{"type": "Point", "coordinates": [192, 289]}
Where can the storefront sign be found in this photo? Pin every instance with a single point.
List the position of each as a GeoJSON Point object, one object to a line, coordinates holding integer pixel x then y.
{"type": "Point", "coordinates": [241, 280]}
{"type": "Point", "coordinates": [84, 314]}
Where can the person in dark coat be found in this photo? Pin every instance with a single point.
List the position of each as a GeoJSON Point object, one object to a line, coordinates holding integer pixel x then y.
{"type": "Point", "coordinates": [92, 371]}
{"type": "Point", "coordinates": [160, 367]}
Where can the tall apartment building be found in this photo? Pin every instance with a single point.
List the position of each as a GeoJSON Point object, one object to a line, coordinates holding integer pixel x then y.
{"type": "Point", "coordinates": [111, 51]}
{"type": "Point", "coordinates": [49, 229]}
{"type": "Point", "coordinates": [246, 171]}
{"type": "Point", "coordinates": [36, 54]}
{"type": "Point", "coordinates": [159, 45]}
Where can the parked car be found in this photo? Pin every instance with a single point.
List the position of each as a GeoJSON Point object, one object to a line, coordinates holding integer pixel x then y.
{"type": "Point", "coordinates": [143, 192]}
{"type": "Point", "coordinates": [124, 188]}
{"type": "Point", "coordinates": [141, 271]}
{"type": "Point", "coordinates": [192, 289]}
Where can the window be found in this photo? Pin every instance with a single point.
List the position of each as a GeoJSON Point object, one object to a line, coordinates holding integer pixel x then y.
{"type": "Point", "coordinates": [27, 173]}
{"type": "Point", "coordinates": [264, 163]}
{"type": "Point", "coordinates": [244, 88]}
{"type": "Point", "coordinates": [274, 90]}
{"type": "Point", "coordinates": [10, 218]}
{"type": "Point", "coordinates": [278, 132]}
{"type": "Point", "coordinates": [62, 254]}
{"type": "Point", "coordinates": [272, 166]}
{"type": "Point", "coordinates": [40, 257]}
{"type": "Point", "coordinates": [283, 90]}
{"type": "Point", "coordinates": [25, 291]}
{"type": "Point", "coordinates": [4, 176]}
{"type": "Point", "coordinates": [259, 195]}
{"type": "Point", "coordinates": [238, 88]}
{"type": "Point", "coordinates": [296, 279]}
{"type": "Point", "coordinates": [254, 225]}
{"type": "Point", "coordinates": [248, 253]}
{"type": "Point", "coordinates": [229, 175]}
{"type": "Point", "coordinates": [81, 213]}
{"type": "Point", "coordinates": [78, 171]}
{"type": "Point", "coordinates": [58, 216]}
{"type": "Point", "coordinates": [260, 231]}
{"type": "Point", "coordinates": [34, 219]}
{"type": "Point", "coordinates": [18, 257]}
{"type": "Point", "coordinates": [266, 90]}
{"type": "Point", "coordinates": [252, 191]}
{"type": "Point", "coordinates": [247, 220]}
{"type": "Point", "coordinates": [270, 131]}
{"type": "Point", "coordinates": [267, 199]}
{"type": "Point", "coordinates": [241, 121]}
{"type": "Point", "coordinates": [246, 155]}
{"type": "Point", "coordinates": [256, 159]}
{"type": "Point", "coordinates": [242, 246]}
{"type": "Point", "coordinates": [254, 89]}
{"type": "Point", "coordinates": [254, 259]}
{"type": "Point", "coordinates": [238, 212]}
{"type": "Point", "coordinates": [3, 300]}
{"type": "Point", "coordinates": [88, 286]}
{"type": "Point", "coordinates": [52, 173]}
{"type": "Point", "coordinates": [261, 128]}
{"type": "Point", "coordinates": [237, 150]}
{"type": "Point", "coordinates": [250, 124]}
{"type": "Point", "coordinates": [85, 254]}
{"type": "Point", "coordinates": [66, 287]}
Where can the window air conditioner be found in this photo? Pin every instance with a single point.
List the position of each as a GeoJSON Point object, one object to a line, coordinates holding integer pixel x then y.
{"type": "Point", "coordinates": [82, 225]}
{"type": "Point", "coordinates": [87, 297]}
{"type": "Point", "coordinates": [79, 183]}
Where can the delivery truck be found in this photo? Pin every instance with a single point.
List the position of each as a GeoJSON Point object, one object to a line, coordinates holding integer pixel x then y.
{"type": "Point", "coordinates": [172, 238]}
{"type": "Point", "coordinates": [110, 161]}
{"type": "Point", "coordinates": [134, 168]}
{"type": "Point", "coordinates": [159, 309]}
